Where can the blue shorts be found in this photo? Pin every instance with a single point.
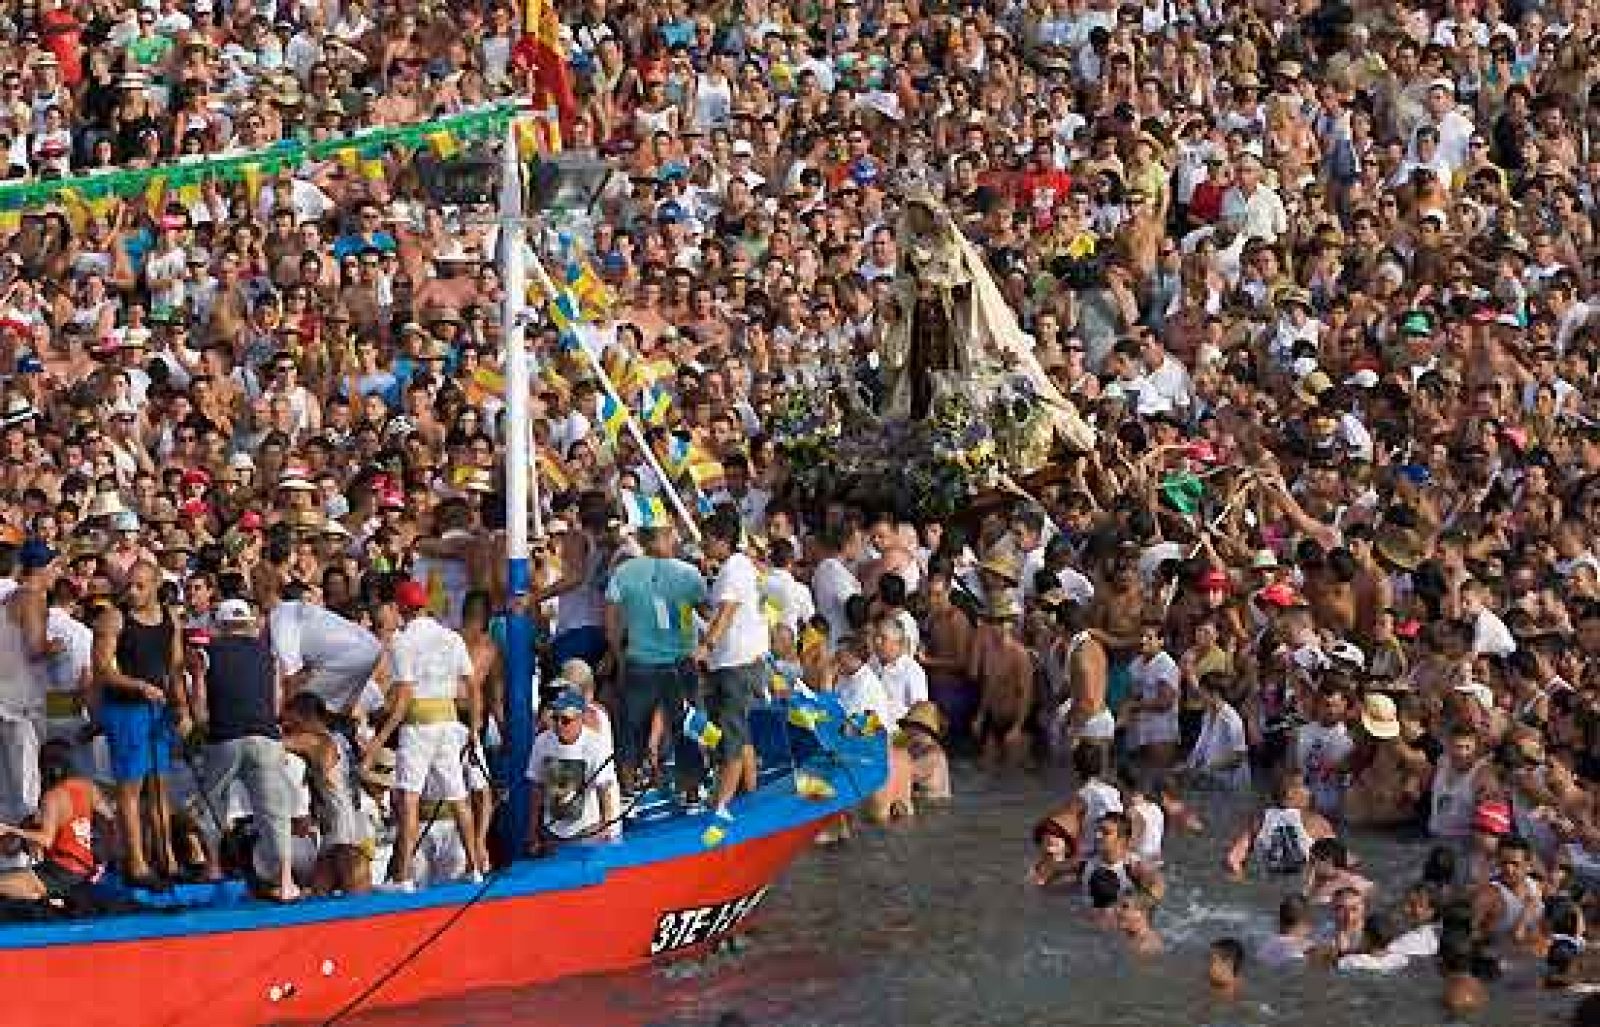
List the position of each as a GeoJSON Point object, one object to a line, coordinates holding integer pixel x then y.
{"type": "Point", "coordinates": [586, 644]}
{"type": "Point", "coordinates": [140, 738]}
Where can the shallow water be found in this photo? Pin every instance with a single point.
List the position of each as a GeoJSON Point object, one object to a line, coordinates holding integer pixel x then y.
{"type": "Point", "coordinates": [929, 923]}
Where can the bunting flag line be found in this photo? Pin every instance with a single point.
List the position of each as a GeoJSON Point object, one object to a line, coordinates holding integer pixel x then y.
{"type": "Point", "coordinates": [551, 471]}
{"type": "Point", "coordinates": [446, 137]}
{"type": "Point", "coordinates": [613, 416]}
{"type": "Point", "coordinates": [645, 511]}
{"type": "Point", "coordinates": [657, 404]}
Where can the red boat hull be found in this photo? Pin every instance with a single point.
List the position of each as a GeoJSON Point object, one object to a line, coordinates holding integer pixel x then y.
{"type": "Point", "coordinates": [313, 971]}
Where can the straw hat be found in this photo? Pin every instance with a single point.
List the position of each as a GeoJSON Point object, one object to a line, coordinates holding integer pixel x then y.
{"type": "Point", "coordinates": [1001, 606]}
{"type": "Point", "coordinates": [924, 716]}
{"type": "Point", "coordinates": [1003, 565]}
{"type": "Point", "coordinates": [306, 520]}
{"type": "Point", "coordinates": [105, 504]}
{"type": "Point", "coordinates": [1402, 547]}
{"type": "Point", "coordinates": [1379, 716]}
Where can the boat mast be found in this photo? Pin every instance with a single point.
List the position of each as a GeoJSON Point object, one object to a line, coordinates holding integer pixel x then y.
{"type": "Point", "coordinates": [521, 497]}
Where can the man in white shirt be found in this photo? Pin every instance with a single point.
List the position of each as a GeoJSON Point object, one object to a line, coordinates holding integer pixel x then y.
{"type": "Point", "coordinates": [859, 688]}
{"type": "Point", "coordinates": [833, 583]}
{"type": "Point", "coordinates": [734, 650]}
{"type": "Point", "coordinates": [432, 670]}
{"type": "Point", "coordinates": [1321, 751]}
{"type": "Point", "coordinates": [322, 652]}
{"type": "Point", "coordinates": [1257, 210]}
{"type": "Point", "coordinates": [903, 677]}
{"type": "Point", "coordinates": [1490, 636]}
{"type": "Point", "coordinates": [790, 597]}
{"type": "Point", "coordinates": [575, 792]}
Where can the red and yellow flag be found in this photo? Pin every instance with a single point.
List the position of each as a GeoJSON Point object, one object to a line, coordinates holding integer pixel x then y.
{"type": "Point", "coordinates": [541, 46]}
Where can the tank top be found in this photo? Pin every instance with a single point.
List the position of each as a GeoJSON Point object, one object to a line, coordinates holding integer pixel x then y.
{"type": "Point", "coordinates": [1120, 868]}
{"type": "Point", "coordinates": [1513, 907]}
{"type": "Point", "coordinates": [144, 651]}
{"type": "Point", "coordinates": [21, 686]}
{"type": "Point", "coordinates": [584, 606]}
{"type": "Point", "coordinates": [713, 101]}
{"type": "Point", "coordinates": [1155, 825]}
{"type": "Point", "coordinates": [241, 689]}
{"type": "Point", "coordinates": [72, 848]}
{"type": "Point", "coordinates": [1283, 845]}
{"type": "Point", "coordinates": [1454, 799]}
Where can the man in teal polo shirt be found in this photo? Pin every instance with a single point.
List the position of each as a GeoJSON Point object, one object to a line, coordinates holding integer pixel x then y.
{"type": "Point", "coordinates": [650, 629]}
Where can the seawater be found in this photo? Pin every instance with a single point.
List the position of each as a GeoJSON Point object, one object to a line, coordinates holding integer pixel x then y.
{"type": "Point", "coordinates": [928, 922]}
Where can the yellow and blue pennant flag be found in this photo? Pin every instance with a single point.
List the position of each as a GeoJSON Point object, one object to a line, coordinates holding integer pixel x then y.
{"type": "Point", "coordinates": [613, 415]}
{"type": "Point", "coordinates": [700, 729]}
{"type": "Point", "coordinates": [657, 404]}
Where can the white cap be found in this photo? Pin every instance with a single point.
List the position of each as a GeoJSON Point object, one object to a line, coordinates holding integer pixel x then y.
{"type": "Point", "coordinates": [1345, 651]}
{"type": "Point", "coordinates": [234, 611]}
{"type": "Point", "coordinates": [1303, 366]}
{"type": "Point", "coordinates": [1366, 378]}
{"type": "Point", "coordinates": [743, 148]}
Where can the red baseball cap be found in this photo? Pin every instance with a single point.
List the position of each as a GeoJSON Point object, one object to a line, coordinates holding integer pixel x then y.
{"type": "Point", "coordinates": [1280, 595]}
{"type": "Point", "coordinates": [1214, 579]}
{"type": "Point", "coordinates": [393, 499]}
{"type": "Point", "coordinates": [1492, 817]}
{"type": "Point", "coordinates": [197, 476]}
{"type": "Point", "coordinates": [250, 521]}
{"type": "Point", "coordinates": [410, 595]}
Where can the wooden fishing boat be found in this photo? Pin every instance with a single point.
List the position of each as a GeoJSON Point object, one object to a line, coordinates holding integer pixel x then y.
{"type": "Point", "coordinates": [661, 892]}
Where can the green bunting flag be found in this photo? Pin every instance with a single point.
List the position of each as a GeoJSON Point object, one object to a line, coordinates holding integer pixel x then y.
{"type": "Point", "coordinates": [445, 137]}
{"type": "Point", "coordinates": [1182, 491]}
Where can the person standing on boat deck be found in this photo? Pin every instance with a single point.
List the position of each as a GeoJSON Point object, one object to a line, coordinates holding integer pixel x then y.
{"type": "Point", "coordinates": [650, 604]}
{"type": "Point", "coordinates": [242, 697]}
{"type": "Point", "coordinates": [67, 673]}
{"type": "Point", "coordinates": [323, 653]}
{"type": "Point", "coordinates": [138, 660]}
{"type": "Point", "coordinates": [580, 592]}
{"type": "Point", "coordinates": [733, 650]}
{"type": "Point", "coordinates": [575, 792]}
{"type": "Point", "coordinates": [24, 644]}
{"type": "Point", "coordinates": [431, 672]}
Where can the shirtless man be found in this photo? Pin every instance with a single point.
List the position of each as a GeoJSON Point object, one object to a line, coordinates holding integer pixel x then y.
{"type": "Point", "coordinates": [946, 648]}
{"type": "Point", "coordinates": [1370, 586]}
{"type": "Point", "coordinates": [1003, 669]}
{"type": "Point", "coordinates": [1116, 615]}
{"type": "Point", "coordinates": [1085, 720]}
{"type": "Point", "coordinates": [488, 679]}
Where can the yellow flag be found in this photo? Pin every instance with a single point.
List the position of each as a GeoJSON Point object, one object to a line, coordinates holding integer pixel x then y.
{"type": "Point", "coordinates": [76, 208]}
{"type": "Point", "coordinates": [443, 145]}
{"type": "Point", "coordinates": [189, 196]}
{"type": "Point", "coordinates": [372, 170]}
{"type": "Point", "coordinates": [350, 158]}
{"type": "Point", "coordinates": [252, 182]}
{"type": "Point", "coordinates": [10, 221]}
{"type": "Point", "coordinates": [155, 190]}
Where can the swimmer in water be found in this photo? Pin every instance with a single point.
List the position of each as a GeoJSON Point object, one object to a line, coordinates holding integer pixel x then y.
{"type": "Point", "coordinates": [1328, 872]}
{"type": "Point", "coordinates": [1133, 921]}
{"type": "Point", "coordinates": [1225, 969]}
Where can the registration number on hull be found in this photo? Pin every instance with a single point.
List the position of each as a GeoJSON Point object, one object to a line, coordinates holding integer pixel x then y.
{"type": "Point", "coordinates": [682, 928]}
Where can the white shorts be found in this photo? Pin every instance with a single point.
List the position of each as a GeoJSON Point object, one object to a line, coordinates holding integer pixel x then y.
{"type": "Point", "coordinates": [1102, 727]}
{"type": "Point", "coordinates": [20, 785]}
{"type": "Point", "coordinates": [428, 756]}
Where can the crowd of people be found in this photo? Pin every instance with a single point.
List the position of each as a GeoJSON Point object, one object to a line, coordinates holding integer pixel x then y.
{"type": "Point", "coordinates": [1321, 278]}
